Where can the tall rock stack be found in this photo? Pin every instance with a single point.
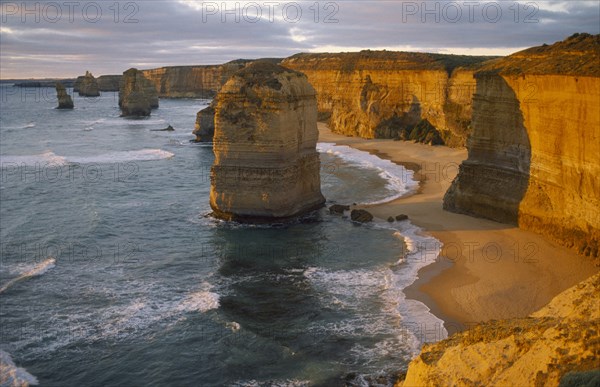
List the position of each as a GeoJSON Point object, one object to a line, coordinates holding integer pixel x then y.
{"type": "Point", "coordinates": [137, 95]}
{"type": "Point", "coordinates": [88, 85]}
{"type": "Point", "coordinates": [266, 165]}
{"type": "Point", "coordinates": [64, 100]}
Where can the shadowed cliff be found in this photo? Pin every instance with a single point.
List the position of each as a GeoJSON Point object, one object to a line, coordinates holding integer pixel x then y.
{"type": "Point", "coordinates": [534, 155]}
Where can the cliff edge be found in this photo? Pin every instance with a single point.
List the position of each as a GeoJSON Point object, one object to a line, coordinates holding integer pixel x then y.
{"type": "Point", "coordinates": [539, 350]}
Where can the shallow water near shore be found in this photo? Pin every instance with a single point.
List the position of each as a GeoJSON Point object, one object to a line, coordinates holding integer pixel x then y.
{"type": "Point", "coordinates": [143, 289]}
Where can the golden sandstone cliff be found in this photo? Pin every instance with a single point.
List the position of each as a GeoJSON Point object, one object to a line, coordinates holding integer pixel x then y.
{"type": "Point", "coordinates": [194, 81]}
{"type": "Point", "coordinates": [534, 154]}
{"type": "Point", "coordinates": [382, 94]}
{"type": "Point", "coordinates": [266, 165]}
{"type": "Point", "coordinates": [538, 350]}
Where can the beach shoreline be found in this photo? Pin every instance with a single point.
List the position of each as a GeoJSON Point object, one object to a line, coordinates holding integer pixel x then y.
{"type": "Point", "coordinates": [485, 270]}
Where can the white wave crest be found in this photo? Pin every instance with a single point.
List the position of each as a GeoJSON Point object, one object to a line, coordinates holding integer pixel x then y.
{"type": "Point", "coordinates": [199, 301]}
{"type": "Point", "coordinates": [13, 376]}
{"type": "Point", "coordinates": [31, 271]}
{"type": "Point", "coordinates": [51, 159]}
{"type": "Point", "coordinates": [44, 159]}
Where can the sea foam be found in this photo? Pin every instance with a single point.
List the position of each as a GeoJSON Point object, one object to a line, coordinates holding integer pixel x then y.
{"type": "Point", "coordinates": [30, 271]}
{"type": "Point", "coordinates": [51, 159]}
{"type": "Point", "coordinates": [399, 179]}
{"type": "Point", "coordinates": [13, 376]}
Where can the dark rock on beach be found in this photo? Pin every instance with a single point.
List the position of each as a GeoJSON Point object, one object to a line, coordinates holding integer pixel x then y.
{"type": "Point", "coordinates": [361, 216]}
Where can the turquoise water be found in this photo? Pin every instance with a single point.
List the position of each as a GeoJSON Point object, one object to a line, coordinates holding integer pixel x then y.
{"type": "Point", "coordinates": [111, 273]}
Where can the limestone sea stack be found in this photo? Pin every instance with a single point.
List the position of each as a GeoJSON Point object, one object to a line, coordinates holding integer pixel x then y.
{"type": "Point", "coordinates": [88, 85]}
{"type": "Point", "coordinates": [64, 100]}
{"type": "Point", "coordinates": [266, 165]}
{"type": "Point", "coordinates": [137, 95]}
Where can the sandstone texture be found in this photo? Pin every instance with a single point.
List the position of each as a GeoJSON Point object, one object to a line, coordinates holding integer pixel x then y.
{"type": "Point", "coordinates": [383, 94]}
{"type": "Point", "coordinates": [266, 165]}
{"type": "Point", "coordinates": [87, 85]}
{"type": "Point", "coordinates": [204, 129]}
{"type": "Point", "coordinates": [534, 155]}
{"type": "Point", "coordinates": [137, 95]}
{"type": "Point", "coordinates": [538, 350]}
{"type": "Point", "coordinates": [64, 100]}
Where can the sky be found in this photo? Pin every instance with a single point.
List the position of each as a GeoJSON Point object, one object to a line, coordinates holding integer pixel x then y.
{"type": "Point", "coordinates": [64, 38]}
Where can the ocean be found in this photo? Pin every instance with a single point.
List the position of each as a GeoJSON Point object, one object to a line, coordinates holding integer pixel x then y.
{"type": "Point", "coordinates": [112, 274]}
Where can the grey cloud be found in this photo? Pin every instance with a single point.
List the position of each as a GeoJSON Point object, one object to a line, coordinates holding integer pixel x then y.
{"type": "Point", "coordinates": [171, 33]}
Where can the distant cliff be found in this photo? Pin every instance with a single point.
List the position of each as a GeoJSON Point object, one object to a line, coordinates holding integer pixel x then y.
{"type": "Point", "coordinates": [534, 154]}
{"type": "Point", "coordinates": [109, 82]}
{"type": "Point", "coordinates": [194, 81]}
{"type": "Point", "coordinates": [383, 94]}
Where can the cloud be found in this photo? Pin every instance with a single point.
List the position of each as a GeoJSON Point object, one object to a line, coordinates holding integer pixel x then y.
{"type": "Point", "coordinates": [109, 37]}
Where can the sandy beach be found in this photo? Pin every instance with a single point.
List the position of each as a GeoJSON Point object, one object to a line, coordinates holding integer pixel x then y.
{"type": "Point", "coordinates": [486, 270]}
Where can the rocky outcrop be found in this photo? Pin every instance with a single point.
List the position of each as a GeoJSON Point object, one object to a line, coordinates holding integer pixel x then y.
{"type": "Point", "coordinates": [534, 155]}
{"type": "Point", "coordinates": [109, 82]}
{"type": "Point", "coordinates": [382, 94]}
{"type": "Point", "coordinates": [137, 95]}
{"type": "Point", "coordinates": [539, 350]}
{"type": "Point", "coordinates": [64, 100]}
{"type": "Point", "coordinates": [266, 165]}
{"type": "Point", "coordinates": [204, 129]}
{"type": "Point", "coordinates": [87, 85]}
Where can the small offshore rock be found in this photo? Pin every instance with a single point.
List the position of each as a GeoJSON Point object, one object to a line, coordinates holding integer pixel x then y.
{"type": "Point", "coordinates": [338, 209]}
{"type": "Point", "coordinates": [167, 129]}
{"type": "Point", "coordinates": [362, 216]}
{"type": "Point", "coordinates": [401, 217]}
{"type": "Point", "coordinates": [390, 219]}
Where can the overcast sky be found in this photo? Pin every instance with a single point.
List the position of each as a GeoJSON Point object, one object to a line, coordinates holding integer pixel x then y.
{"type": "Point", "coordinates": [65, 38]}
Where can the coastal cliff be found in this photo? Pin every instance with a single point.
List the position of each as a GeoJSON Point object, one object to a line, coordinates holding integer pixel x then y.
{"type": "Point", "coordinates": [266, 165]}
{"type": "Point", "coordinates": [534, 154]}
{"type": "Point", "coordinates": [540, 350]}
{"type": "Point", "coordinates": [381, 94]}
{"type": "Point", "coordinates": [109, 82]}
{"type": "Point", "coordinates": [194, 81]}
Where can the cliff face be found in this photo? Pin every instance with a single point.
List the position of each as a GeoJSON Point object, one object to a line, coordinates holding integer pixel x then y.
{"type": "Point", "coordinates": [534, 155]}
{"type": "Point", "coordinates": [539, 350]}
{"type": "Point", "coordinates": [266, 164]}
{"type": "Point", "coordinates": [192, 81]}
{"type": "Point", "coordinates": [137, 95]}
{"type": "Point", "coordinates": [386, 94]}
{"type": "Point", "coordinates": [109, 82]}
{"type": "Point", "coordinates": [204, 129]}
